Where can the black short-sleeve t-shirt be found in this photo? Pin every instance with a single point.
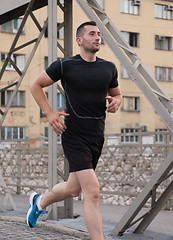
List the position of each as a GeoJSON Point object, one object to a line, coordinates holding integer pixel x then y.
{"type": "Point", "coordinates": [85, 85]}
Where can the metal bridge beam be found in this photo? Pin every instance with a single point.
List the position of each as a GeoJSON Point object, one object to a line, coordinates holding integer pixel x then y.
{"type": "Point", "coordinates": [11, 9]}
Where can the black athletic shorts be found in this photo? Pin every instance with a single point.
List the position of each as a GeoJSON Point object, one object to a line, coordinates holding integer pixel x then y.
{"type": "Point", "coordinates": [81, 151]}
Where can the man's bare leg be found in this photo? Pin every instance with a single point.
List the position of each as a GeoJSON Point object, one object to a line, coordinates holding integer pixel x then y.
{"type": "Point", "coordinates": [90, 189]}
{"type": "Point", "coordinates": [62, 191]}
{"type": "Point", "coordinates": [87, 181]}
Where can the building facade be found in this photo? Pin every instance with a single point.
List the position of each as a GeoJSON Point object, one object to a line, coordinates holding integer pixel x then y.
{"type": "Point", "coordinates": [148, 28]}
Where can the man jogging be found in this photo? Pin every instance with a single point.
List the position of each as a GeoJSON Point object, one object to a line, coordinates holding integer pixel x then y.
{"type": "Point", "coordinates": [89, 82]}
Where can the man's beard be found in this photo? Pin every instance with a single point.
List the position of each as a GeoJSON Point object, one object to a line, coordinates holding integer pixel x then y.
{"type": "Point", "coordinates": [94, 50]}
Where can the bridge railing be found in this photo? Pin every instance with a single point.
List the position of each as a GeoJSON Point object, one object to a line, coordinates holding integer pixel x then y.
{"type": "Point", "coordinates": [125, 166]}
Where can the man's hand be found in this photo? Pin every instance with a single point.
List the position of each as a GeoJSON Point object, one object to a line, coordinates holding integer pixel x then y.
{"type": "Point", "coordinates": [112, 104]}
{"type": "Point", "coordinates": [56, 122]}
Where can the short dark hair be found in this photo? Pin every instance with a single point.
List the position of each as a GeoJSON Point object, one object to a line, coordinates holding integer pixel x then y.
{"type": "Point", "coordinates": [81, 28]}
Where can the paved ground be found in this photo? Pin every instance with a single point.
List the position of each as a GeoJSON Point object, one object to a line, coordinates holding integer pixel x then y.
{"type": "Point", "coordinates": [18, 230]}
{"type": "Point", "coordinates": [13, 225]}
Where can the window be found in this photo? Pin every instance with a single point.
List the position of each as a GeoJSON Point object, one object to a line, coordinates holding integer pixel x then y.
{"type": "Point", "coordinates": [102, 40]}
{"type": "Point", "coordinates": [46, 135]}
{"type": "Point", "coordinates": [19, 99]}
{"type": "Point", "coordinates": [163, 43]}
{"type": "Point", "coordinates": [130, 104]}
{"type": "Point", "coordinates": [163, 136]}
{"type": "Point", "coordinates": [3, 57]}
{"type": "Point", "coordinates": [163, 74]}
{"type": "Point", "coordinates": [130, 138]}
{"type": "Point", "coordinates": [60, 100]}
{"type": "Point", "coordinates": [124, 73]}
{"type": "Point", "coordinates": [131, 38]}
{"type": "Point", "coordinates": [60, 32]}
{"type": "Point", "coordinates": [129, 6]}
{"type": "Point", "coordinates": [46, 64]}
{"type": "Point", "coordinates": [11, 26]}
{"type": "Point", "coordinates": [12, 133]}
{"type": "Point", "coordinates": [18, 59]}
{"type": "Point", "coordinates": [160, 136]}
{"type": "Point", "coordinates": [60, 103]}
{"type": "Point", "coordinates": [46, 132]}
{"type": "Point", "coordinates": [42, 114]}
{"type": "Point", "coordinates": [163, 11]}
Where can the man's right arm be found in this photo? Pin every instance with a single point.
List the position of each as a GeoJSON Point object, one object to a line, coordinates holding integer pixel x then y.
{"type": "Point", "coordinates": [36, 88]}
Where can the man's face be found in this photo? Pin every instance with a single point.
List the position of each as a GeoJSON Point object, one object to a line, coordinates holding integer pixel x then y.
{"type": "Point", "coordinates": [91, 39]}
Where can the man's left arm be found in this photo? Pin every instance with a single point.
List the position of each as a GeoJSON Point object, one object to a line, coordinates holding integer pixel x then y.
{"type": "Point", "coordinates": [114, 99]}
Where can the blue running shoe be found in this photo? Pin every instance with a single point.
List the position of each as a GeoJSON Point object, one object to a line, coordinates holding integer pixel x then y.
{"type": "Point", "coordinates": [33, 212]}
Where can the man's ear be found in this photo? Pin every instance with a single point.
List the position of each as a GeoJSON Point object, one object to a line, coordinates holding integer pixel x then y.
{"type": "Point", "coordinates": [79, 41]}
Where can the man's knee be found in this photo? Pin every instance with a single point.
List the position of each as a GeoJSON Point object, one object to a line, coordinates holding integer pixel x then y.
{"type": "Point", "coordinates": [89, 184]}
{"type": "Point", "coordinates": [93, 193]}
{"type": "Point", "coordinates": [74, 191]}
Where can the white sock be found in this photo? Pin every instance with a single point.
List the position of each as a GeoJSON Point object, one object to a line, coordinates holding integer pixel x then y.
{"type": "Point", "coordinates": [38, 203]}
